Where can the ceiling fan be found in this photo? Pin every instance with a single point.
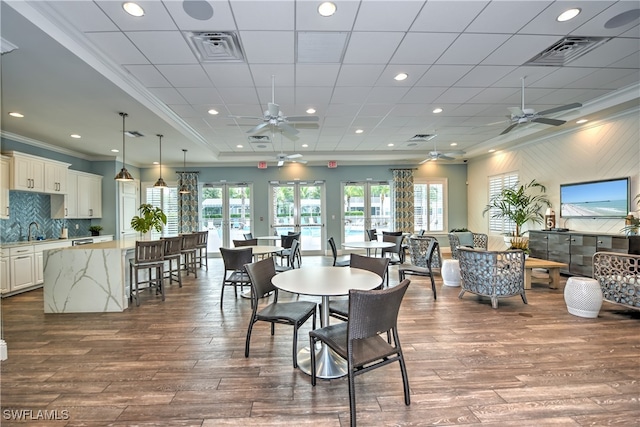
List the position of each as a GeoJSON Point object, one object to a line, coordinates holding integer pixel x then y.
{"type": "Point", "coordinates": [292, 158]}
{"type": "Point", "coordinates": [521, 115]}
{"type": "Point", "coordinates": [441, 155]}
{"type": "Point", "coordinates": [274, 118]}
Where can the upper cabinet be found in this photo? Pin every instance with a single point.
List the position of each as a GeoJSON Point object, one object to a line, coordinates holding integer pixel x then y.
{"type": "Point", "coordinates": [4, 187]}
{"type": "Point", "coordinates": [83, 198]}
{"type": "Point", "coordinates": [38, 175]}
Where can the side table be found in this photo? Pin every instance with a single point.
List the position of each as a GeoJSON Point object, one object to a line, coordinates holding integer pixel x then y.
{"type": "Point", "coordinates": [450, 272]}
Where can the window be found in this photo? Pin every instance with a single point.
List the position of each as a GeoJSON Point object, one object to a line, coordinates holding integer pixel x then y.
{"type": "Point", "coordinates": [496, 184]}
{"type": "Point", "coordinates": [167, 200]}
{"type": "Point", "coordinates": [429, 205]}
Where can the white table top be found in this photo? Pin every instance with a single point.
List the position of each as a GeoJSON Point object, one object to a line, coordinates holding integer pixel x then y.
{"type": "Point", "coordinates": [373, 244]}
{"type": "Point", "coordinates": [274, 238]}
{"type": "Point", "coordinates": [263, 249]}
{"type": "Point", "coordinates": [325, 281]}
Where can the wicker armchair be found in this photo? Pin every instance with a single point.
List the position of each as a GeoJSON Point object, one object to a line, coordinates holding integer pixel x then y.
{"type": "Point", "coordinates": [495, 274]}
{"type": "Point", "coordinates": [458, 238]}
{"type": "Point", "coordinates": [619, 277]}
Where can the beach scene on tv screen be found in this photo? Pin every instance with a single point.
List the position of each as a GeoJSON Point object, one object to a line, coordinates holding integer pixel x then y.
{"type": "Point", "coordinates": [595, 199]}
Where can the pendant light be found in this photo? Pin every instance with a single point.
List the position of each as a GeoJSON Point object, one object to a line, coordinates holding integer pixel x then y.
{"type": "Point", "coordinates": [160, 182]}
{"type": "Point", "coordinates": [183, 188]}
{"type": "Point", "coordinates": [124, 174]}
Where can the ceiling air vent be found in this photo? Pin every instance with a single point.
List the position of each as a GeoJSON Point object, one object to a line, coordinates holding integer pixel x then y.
{"type": "Point", "coordinates": [422, 137]}
{"type": "Point", "coordinates": [566, 50]}
{"type": "Point", "coordinates": [259, 139]}
{"type": "Point", "coordinates": [211, 46]}
{"type": "Point", "coordinates": [133, 134]}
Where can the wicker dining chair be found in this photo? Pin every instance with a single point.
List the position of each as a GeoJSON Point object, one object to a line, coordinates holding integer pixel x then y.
{"type": "Point", "coordinates": [422, 251]}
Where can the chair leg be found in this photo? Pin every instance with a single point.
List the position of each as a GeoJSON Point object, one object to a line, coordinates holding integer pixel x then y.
{"type": "Point", "coordinates": [524, 297]}
{"type": "Point", "coordinates": [312, 350]}
{"type": "Point", "coordinates": [461, 294]}
{"type": "Point", "coordinates": [405, 380]}
{"type": "Point", "coordinates": [295, 345]}
{"type": "Point", "coordinates": [352, 398]}
{"type": "Point", "coordinates": [433, 286]}
{"type": "Point", "coordinates": [222, 293]}
{"type": "Point", "coordinates": [246, 345]}
{"type": "Point", "coordinates": [494, 302]}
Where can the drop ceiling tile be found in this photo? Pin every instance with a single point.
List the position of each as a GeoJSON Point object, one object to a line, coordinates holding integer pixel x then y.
{"type": "Point", "coordinates": [387, 16]}
{"type": "Point", "coordinates": [118, 47]}
{"type": "Point", "coordinates": [422, 95]}
{"type": "Point", "coordinates": [378, 109]}
{"type": "Point", "coordinates": [264, 15]}
{"type": "Point", "coordinates": [506, 16]}
{"type": "Point", "coordinates": [447, 16]}
{"type": "Point", "coordinates": [184, 111]}
{"type": "Point", "coordinates": [238, 95]}
{"type": "Point", "coordinates": [422, 48]}
{"type": "Point", "coordinates": [342, 110]}
{"type": "Point", "coordinates": [262, 75]}
{"type": "Point", "coordinates": [386, 94]}
{"type": "Point", "coordinates": [84, 15]}
{"type": "Point", "coordinates": [456, 95]}
{"type": "Point", "coordinates": [483, 76]}
{"type": "Point", "coordinates": [562, 77]}
{"type": "Point", "coordinates": [411, 110]}
{"type": "Point", "coordinates": [371, 47]}
{"type": "Point", "coordinates": [546, 23]}
{"type": "Point", "coordinates": [443, 75]}
{"type": "Point", "coordinates": [519, 49]}
{"type": "Point", "coordinates": [229, 74]}
{"type": "Point", "coordinates": [148, 75]}
{"type": "Point", "coordinates": [359, 75]}
{"type": "Point", "coordinates": [616, 50]}
{"type": "Point", "coordinates": [268, 47]}
{"type": "Point", "coordinates": [316, 74]}
{"type": "Point", "coordinates": [350, 95]}
{"type": "Point", "coordinates": [168, 95]}
{"type": "Point", "coordinates": [284, 96]}
{"type": "Point", "coordinates": [471, 48]}
{"type": "Point", "coordinates": [200, 95]}
{"type": "Point", "coordinates": [308, 18]}
{"type": "Point", "coordinates": [185, 75]}
{"type": "Point", "coordinates": [220, 20]}
{"type": "Point", "coordinates": [312, 96]}
{"type": "Point", "coordinates": [163, 47]}
{"type": "Point", "coordinates": [155, 16]}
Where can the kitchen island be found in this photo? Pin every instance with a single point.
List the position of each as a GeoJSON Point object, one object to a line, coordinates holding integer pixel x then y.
{"type": "Point", "coordinates": [90, 278]}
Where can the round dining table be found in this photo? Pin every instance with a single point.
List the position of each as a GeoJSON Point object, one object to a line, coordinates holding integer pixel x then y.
{"type": "Point", "coordinates": [368, 245]}
{"type": "Point", "coordinates": [261, 251]}
{"type": "Point", "coordinates": [325, 282]}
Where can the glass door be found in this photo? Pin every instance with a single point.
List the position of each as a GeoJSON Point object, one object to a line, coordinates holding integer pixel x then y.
{"type": "Point", "coordinates": [226, 213]}
{"type": "Point", "coordinates": [299, 207]}
{"type": "Point", "coordinates": [366, 205]}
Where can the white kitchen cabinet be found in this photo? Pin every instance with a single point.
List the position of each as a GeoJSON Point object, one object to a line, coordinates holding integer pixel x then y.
{"type": "Point", "coordinates": [38, 267]}
{"type": "Point", "coordinates": [55, 178]}
{"type": "Point", "coordinates": [89, 196]}
{"type": "Point", "coordinates": [27, 173]}
{"type": "Point", "coordinates": [22, 267]}
{"type": "Point", "coordinates": [5, 284]}
{"type": "Point", "coordinates": [4, 187]}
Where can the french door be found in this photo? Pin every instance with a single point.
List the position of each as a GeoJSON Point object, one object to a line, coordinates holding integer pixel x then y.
{"type": "Point", "coordinates": [226, 213]}
{"type": "Point", "coordinates": [299, 207]}
{"type": "Point", "coordinates": [367, 205]}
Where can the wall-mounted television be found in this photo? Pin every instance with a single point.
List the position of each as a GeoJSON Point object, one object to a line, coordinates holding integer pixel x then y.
{"type": "Point", "coordinates": [607, 198]}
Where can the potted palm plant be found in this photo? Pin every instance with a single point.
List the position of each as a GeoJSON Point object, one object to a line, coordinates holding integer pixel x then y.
{"type": "Point", "coordinates": [519, 204]}
{"type": "Point", "coordinates": [151, 217]}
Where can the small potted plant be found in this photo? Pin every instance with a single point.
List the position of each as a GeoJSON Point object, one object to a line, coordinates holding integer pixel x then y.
{"type": "Point", "coordinates": [631, 222]}
{"type": "Point", "coordinates": [151, 217]}
{"type": "Point", "coordinates": [520, 243]}
{"type": "Point", "coordinates": [95, 230]}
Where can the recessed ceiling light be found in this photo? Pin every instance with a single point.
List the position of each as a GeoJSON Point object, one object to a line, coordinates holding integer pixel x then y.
{"type": "Point", "coordinates": [453, 144]}
{"type": "Point", "coordinates": [305, 145]}
{"type": "Point", "coordinates": [390, 144]}
{"type": "Point", "coordinates": [437, 110]}
{"type": "Point", "coordinates": [14, 114]}
{"type": "Point", "coordinates": [568, 14]}
{"type": "Point", "coordinates": [311, 110]}
{"type": "Point", "coordinates": [156, 163]}
{"type": "Point", "coordinates": [133, 9]}
{"type": "Point", "coordinates": [359, 131]}
{"type": "Point", "coordinates": [213, 112]}
{"type": "Point", "coordinates": [75, 135]}
{"type": "Point", "coordinates": [581, 121]}
{"type": "Point", "coordinates": [492, 150]}
{"type": "Point", "coordinates": [115, 150]}
{"type": "Point", "coordinates": [239, 146]}
{"type": "Point", "coordinates": [401, 76]}
{"type": "Point", "coordinates": [327, 8]}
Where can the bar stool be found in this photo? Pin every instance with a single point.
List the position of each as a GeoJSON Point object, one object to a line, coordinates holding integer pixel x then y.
{"type": "Point", "coordinates": [189, 253]}
{"type": "Point", "coordinates": [173, 253]}
{"type": "Point", "coordinates": [149, 255]}
{"type": "Point", "coordinates": [201, 248]}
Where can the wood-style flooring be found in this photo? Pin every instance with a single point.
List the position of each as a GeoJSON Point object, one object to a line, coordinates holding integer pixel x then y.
{"type": "Point", "coordinates": [181, 363]}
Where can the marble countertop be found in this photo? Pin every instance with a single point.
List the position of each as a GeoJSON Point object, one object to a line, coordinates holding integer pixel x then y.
{"type": "Point", "coordinates": [37, 242]}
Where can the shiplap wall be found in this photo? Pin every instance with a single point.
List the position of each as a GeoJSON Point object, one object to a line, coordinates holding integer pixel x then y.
{"type": "Point", "coordinates": [598, 151]}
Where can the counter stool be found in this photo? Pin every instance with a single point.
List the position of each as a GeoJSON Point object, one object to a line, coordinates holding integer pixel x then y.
{"type": "Point", "coordinates": [173, 254]}
{"type": "Point", "coordinates": [149, 255]}
{"type": "Point", "coordinates": [583, 296]}
{"type": "Point", "coordinates": [450, 272]}
{"type": "Point", "coordinates": [201, 249]}
{"type": "Point", "coordinates": [189, 253]}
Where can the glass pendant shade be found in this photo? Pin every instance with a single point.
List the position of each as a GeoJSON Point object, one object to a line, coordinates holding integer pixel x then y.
{"type": "Point", "coordinates": [124, 174]}
{"type": "Point", "coordinates": [160, 182]}
{"type": "Point", "coordinates": [183, 188]}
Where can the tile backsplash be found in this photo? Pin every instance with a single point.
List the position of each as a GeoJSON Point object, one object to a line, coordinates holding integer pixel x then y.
{"type": "Point", "coordinates": [25, 208]}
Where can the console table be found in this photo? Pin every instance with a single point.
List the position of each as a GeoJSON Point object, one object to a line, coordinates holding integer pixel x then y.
{"type": "Point", "coordinates": [576, 248]}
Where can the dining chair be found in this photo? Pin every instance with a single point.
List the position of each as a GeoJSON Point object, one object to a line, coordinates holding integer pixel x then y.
{"type": "Point", "coordinates": [294, 313]}
{"type": "Point", "coordinates": [189, 253]}
{"type": "Point", "coordinates": [235, 275]}
{"type": "Point", "coordinates": [421, 251]}
{"type": "Point", "coordinates": [247, 236]}
{"type": "Point", "coordinates": [286, 240]}
{"type": "Point", "coordinates": [172, 256]}
{"type": "Point", "coordinates": [342, 262]}
{"type": "Point", "coordinates": [339, 308]}
{"type": "Point", "coordinates": [359, 340]}
{"type": "Point", "coordinates": [149, 255]}
{"type": "Point", "coordinates": [247, 242]}
{"type": "Point", "coordinates": [291, 259]}
{"type": "Point", "coordinates": [372, 236]}
{"type": "Point", "coordinates": [201, 249]}
{"type": "Point", "coordinates": [395, 252]}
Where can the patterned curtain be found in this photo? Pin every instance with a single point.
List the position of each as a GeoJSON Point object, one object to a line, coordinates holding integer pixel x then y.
{"type": "Point", "coordinates": [188, 203]}
{"type": "Point", "coordinates": [403, 191]}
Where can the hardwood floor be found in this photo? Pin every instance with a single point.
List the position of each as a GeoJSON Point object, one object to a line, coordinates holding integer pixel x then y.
{"type": "Point", "coordinates": [181, 363]}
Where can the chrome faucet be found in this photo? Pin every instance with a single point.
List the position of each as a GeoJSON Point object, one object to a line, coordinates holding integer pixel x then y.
{"type": "Point", "coordinates": [29, 231]}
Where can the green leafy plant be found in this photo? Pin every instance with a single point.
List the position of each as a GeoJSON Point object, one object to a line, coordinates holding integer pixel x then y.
{"type": "Point", "coordinates": [519, 205]}
{"type": "Point", "coordinates": [520, 243]}
{"type": "Point", "coordinates": [151, 217]}
{"type": "Point", "coordinates": [632, 223]}
{"type": "Point", "coordinates": [95, 230]}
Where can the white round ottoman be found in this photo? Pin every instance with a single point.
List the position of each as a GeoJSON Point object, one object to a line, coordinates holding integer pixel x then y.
{"type": "Point", "coordinates": [583, 296]}
{"type": "Point", "coordinates": [450, 272]}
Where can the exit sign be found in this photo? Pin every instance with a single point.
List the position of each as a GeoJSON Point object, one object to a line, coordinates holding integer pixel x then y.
{"type": "Point", "coordinates": [332, 164]}
{"type": "Point", "coordinates": [262, 165]}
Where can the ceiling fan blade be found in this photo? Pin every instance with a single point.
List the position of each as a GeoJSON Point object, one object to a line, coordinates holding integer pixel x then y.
{"type": "Point", "coordinates": [280, 163]}
{"type": "Point", "coordinates": [546, 121]}
{"type": "Point", "coordinates": [509, 129]}
{"type": "Point", "coordinates": [444, 157]}
{"type": "Point", "coordinates": [425, 161]}
{"type": "Point", "coordinates": [287, 129]}
{"type": "Point", "coordinates": [294, 156]}
{"type": "Point", "coordinates": [304, 162]}
{"type": "Point", "coordinates": [455, 153]}
{"type": "Point", "coordinates": [258, 128]}
{"type": "Point", "coordinates": [302, 118]}
{"type": "Point", "coordinates": [561, 108]}
{"type": "Point", "coordinates": [246, 117]}
{"type": "Point", "coordinates": [273, 109]}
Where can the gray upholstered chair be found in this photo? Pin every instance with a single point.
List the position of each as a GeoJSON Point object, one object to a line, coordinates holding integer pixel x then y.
{"type": "Point", "coordinates": [422, 250]}
{"type": "Point", "coordinates": [467, 239]}
{"type": "Point", "coordinates": [495, 274]}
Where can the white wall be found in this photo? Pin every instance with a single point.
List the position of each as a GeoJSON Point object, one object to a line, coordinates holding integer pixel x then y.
{"type": "Point", "coordinates": [597, 151]}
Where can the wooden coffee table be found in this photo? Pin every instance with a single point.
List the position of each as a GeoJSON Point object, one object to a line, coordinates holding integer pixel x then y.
{"type": "Point", "coordinates": [553, 267]}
